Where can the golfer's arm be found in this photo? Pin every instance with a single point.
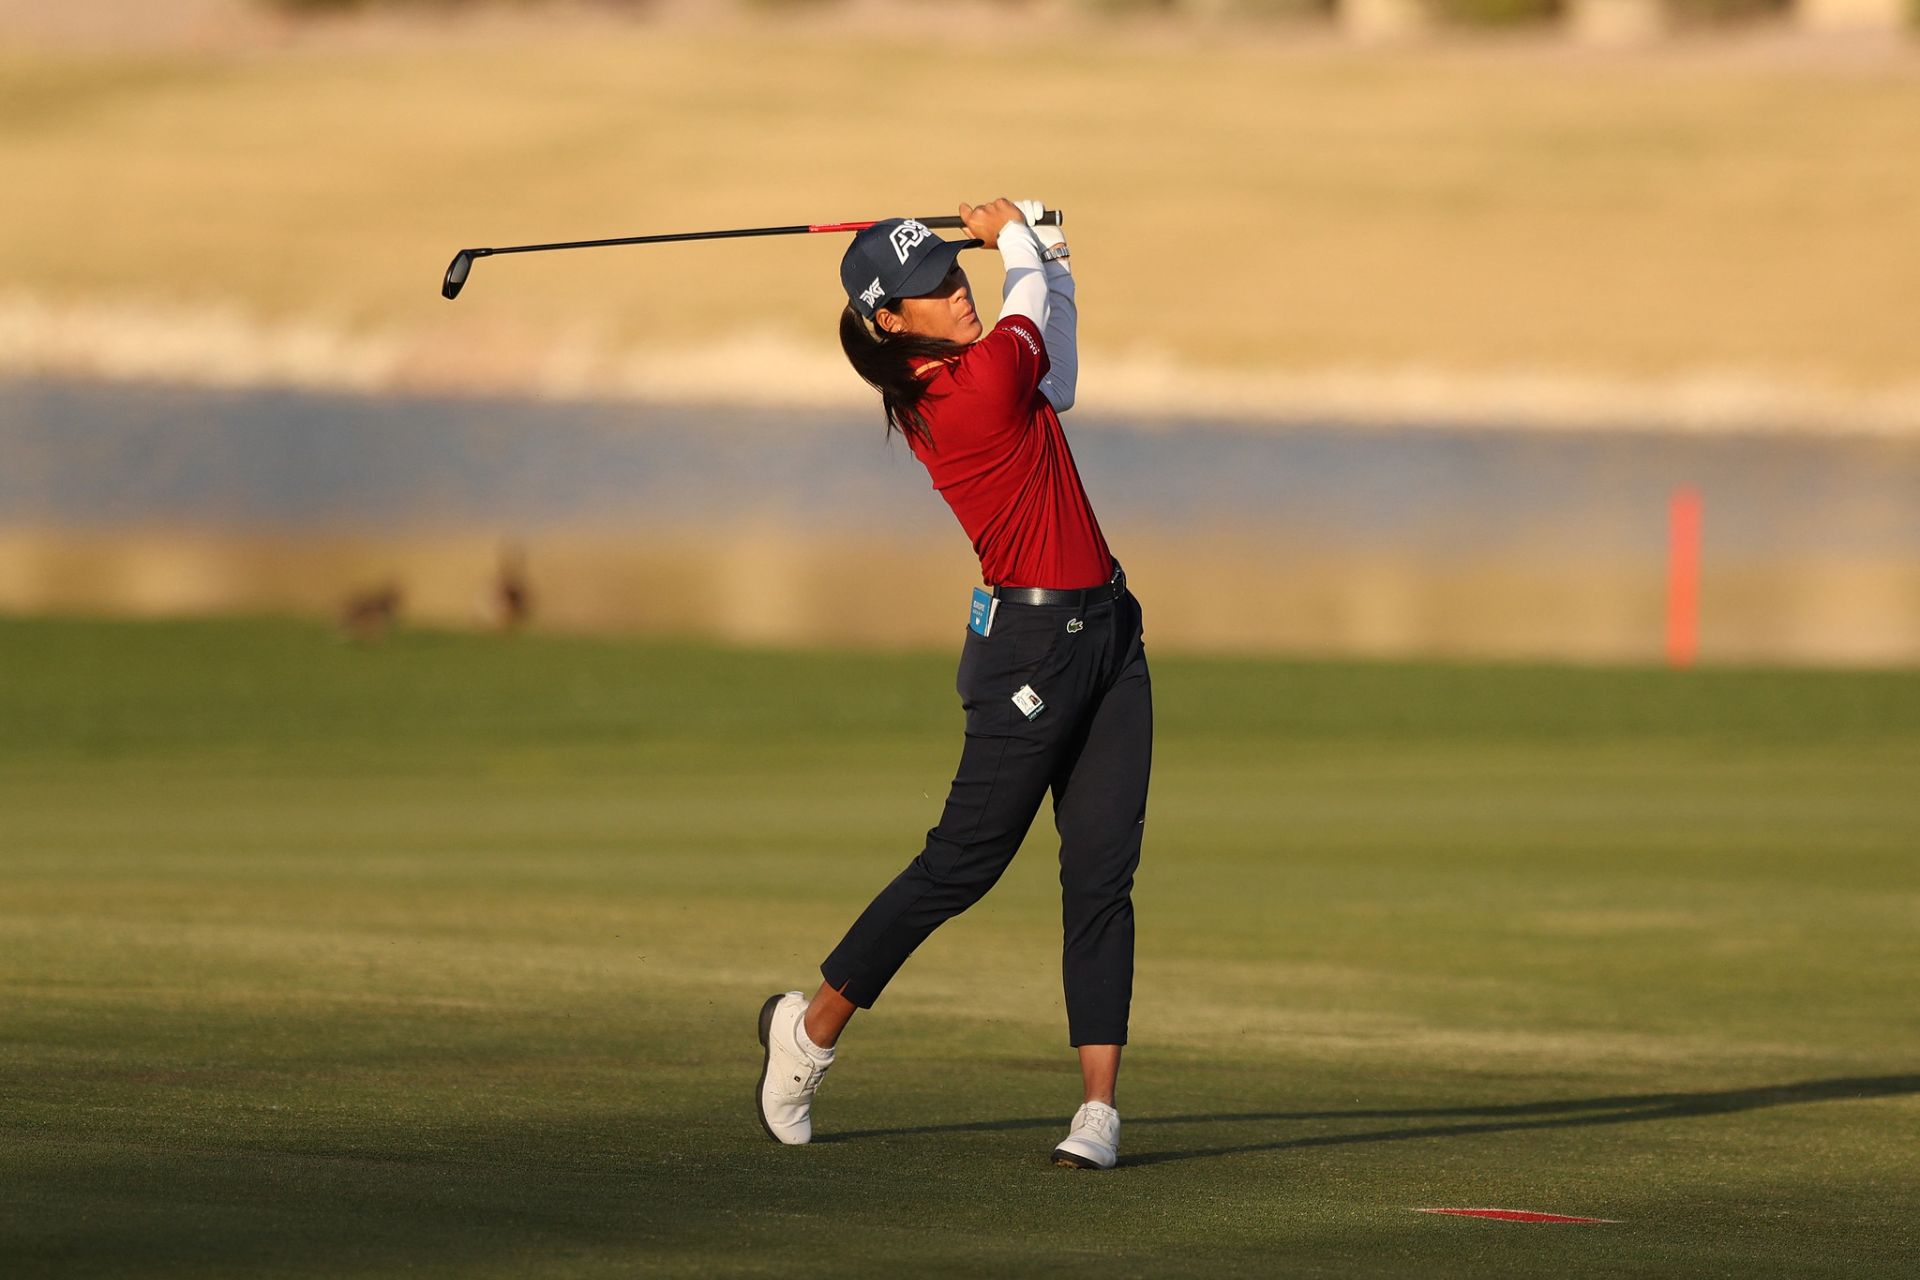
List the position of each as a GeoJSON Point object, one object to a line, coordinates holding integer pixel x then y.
{"type": "Point", "coordinates": [1063, 353]}
{"type": "Point", "coordinates": [1025, 290]}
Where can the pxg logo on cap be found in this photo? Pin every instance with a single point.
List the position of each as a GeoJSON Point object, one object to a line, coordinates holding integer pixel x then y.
{"type": "Point", "coordinates": [896, 258]}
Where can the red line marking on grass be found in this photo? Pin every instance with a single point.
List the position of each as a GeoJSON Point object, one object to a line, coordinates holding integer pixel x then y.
{"type": "Point", "coordinates": [1517, 1215]}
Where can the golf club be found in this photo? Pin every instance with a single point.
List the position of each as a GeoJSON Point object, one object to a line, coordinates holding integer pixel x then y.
{"type": "Point", "coordinates": [462, 263]}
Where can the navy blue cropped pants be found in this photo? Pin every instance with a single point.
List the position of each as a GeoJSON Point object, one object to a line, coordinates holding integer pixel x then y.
{"type": "Point", "coordinates": [1092, 746]}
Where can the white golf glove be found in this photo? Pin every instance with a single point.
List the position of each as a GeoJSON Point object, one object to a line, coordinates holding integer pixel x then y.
{"type": "Point", "coordinates": [1032, 209]}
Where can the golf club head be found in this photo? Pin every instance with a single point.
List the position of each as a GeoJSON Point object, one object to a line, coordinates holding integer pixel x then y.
{"type": "Point", "coordinates": [456, 274]}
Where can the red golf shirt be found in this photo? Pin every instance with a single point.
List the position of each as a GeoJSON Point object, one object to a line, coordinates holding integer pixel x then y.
{"type": "Point", "coordinates": [998, 456]}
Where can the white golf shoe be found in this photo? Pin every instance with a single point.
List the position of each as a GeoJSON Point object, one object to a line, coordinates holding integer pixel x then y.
{"type": "Point", "coordinates": [789, 1073]}
{"type": "Point", "coordinates": [1094, 1142]}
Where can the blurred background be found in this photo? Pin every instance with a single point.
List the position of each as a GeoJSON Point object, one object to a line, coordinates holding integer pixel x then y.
{"type": "Point", "coordinates": [1571, 329]}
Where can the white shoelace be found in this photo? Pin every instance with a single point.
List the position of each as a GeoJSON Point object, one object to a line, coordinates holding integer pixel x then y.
{"type": "Point", "coordinates": [1100, 1121]}
{"type": "Point", "coordinates": [813, 1080]}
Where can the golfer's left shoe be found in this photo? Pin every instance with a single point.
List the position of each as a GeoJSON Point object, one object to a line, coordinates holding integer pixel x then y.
{"type": "Point", "coordinates": [1094, 1142]}
{"type": "Point", "coordinates": [789, 1073]}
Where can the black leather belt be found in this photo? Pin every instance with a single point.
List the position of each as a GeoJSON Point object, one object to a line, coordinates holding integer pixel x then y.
{"type": "Point", "coordinates": [1080, 598]}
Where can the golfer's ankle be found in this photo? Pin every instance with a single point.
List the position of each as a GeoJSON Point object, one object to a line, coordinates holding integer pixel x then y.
{"type": "Point", "coordinates": [819, 1031]}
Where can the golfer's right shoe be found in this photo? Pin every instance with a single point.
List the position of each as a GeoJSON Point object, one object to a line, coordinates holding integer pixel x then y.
{"type": "Point", "coordinates": [1094, 1142]}
{"type": "Point", "coordinates": [789, 1073]}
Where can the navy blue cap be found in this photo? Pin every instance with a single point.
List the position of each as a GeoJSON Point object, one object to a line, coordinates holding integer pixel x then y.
{"type": "Point", "coordinates": [896, 258]}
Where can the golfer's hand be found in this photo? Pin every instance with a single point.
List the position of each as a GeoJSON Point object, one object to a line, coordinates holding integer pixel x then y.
{"type": "Point", "coordinates": [983, 221]}
{"type": "Point", "coordinates": [1034, 211]}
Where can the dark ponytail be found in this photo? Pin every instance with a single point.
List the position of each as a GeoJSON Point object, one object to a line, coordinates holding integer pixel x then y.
{"type": "Point", "coordinates": [885, 361]}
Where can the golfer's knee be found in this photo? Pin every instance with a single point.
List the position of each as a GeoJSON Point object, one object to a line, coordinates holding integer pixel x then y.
{"type": "Point", "coordinates": [958, 879]}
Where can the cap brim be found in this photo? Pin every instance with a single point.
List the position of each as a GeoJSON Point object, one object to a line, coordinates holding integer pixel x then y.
{"type": "Point", "coordinates": [933, 268]}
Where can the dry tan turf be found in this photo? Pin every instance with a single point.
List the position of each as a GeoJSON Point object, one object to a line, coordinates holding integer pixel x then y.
{"type": "Point", "coordinates": [1681, 232]}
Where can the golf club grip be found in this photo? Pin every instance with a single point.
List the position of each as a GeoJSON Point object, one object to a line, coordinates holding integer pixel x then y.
{"type": "Point", "coordinates": [1047, 218]}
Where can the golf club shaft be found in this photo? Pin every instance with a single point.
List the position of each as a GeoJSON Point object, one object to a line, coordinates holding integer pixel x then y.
{"type": "Point", "coordinates": [456, 277]}
{"type": "Point", "coordinates": [1050, 217]}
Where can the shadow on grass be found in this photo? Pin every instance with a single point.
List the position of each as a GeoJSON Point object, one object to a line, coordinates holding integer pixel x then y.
{"type": "Point", "coordinates": [1571, 1113]}
{"type": "Point", "coordinates": [566, 1199]}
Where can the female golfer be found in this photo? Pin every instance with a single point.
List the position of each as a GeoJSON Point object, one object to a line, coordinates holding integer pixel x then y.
{"type": "Point", "coordinates": [1052, 675]}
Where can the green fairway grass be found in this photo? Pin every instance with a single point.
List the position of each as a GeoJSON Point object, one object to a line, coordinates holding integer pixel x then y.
{"type": "Point", "coordinates": [441, 957]}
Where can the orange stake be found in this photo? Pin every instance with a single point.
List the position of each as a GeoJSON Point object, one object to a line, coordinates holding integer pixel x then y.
{"type": "Point", "coordinates": [1683, 576]}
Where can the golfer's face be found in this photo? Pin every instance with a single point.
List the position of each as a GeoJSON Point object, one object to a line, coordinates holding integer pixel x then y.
{"type": "Point", "coordinates": [946, 313]}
